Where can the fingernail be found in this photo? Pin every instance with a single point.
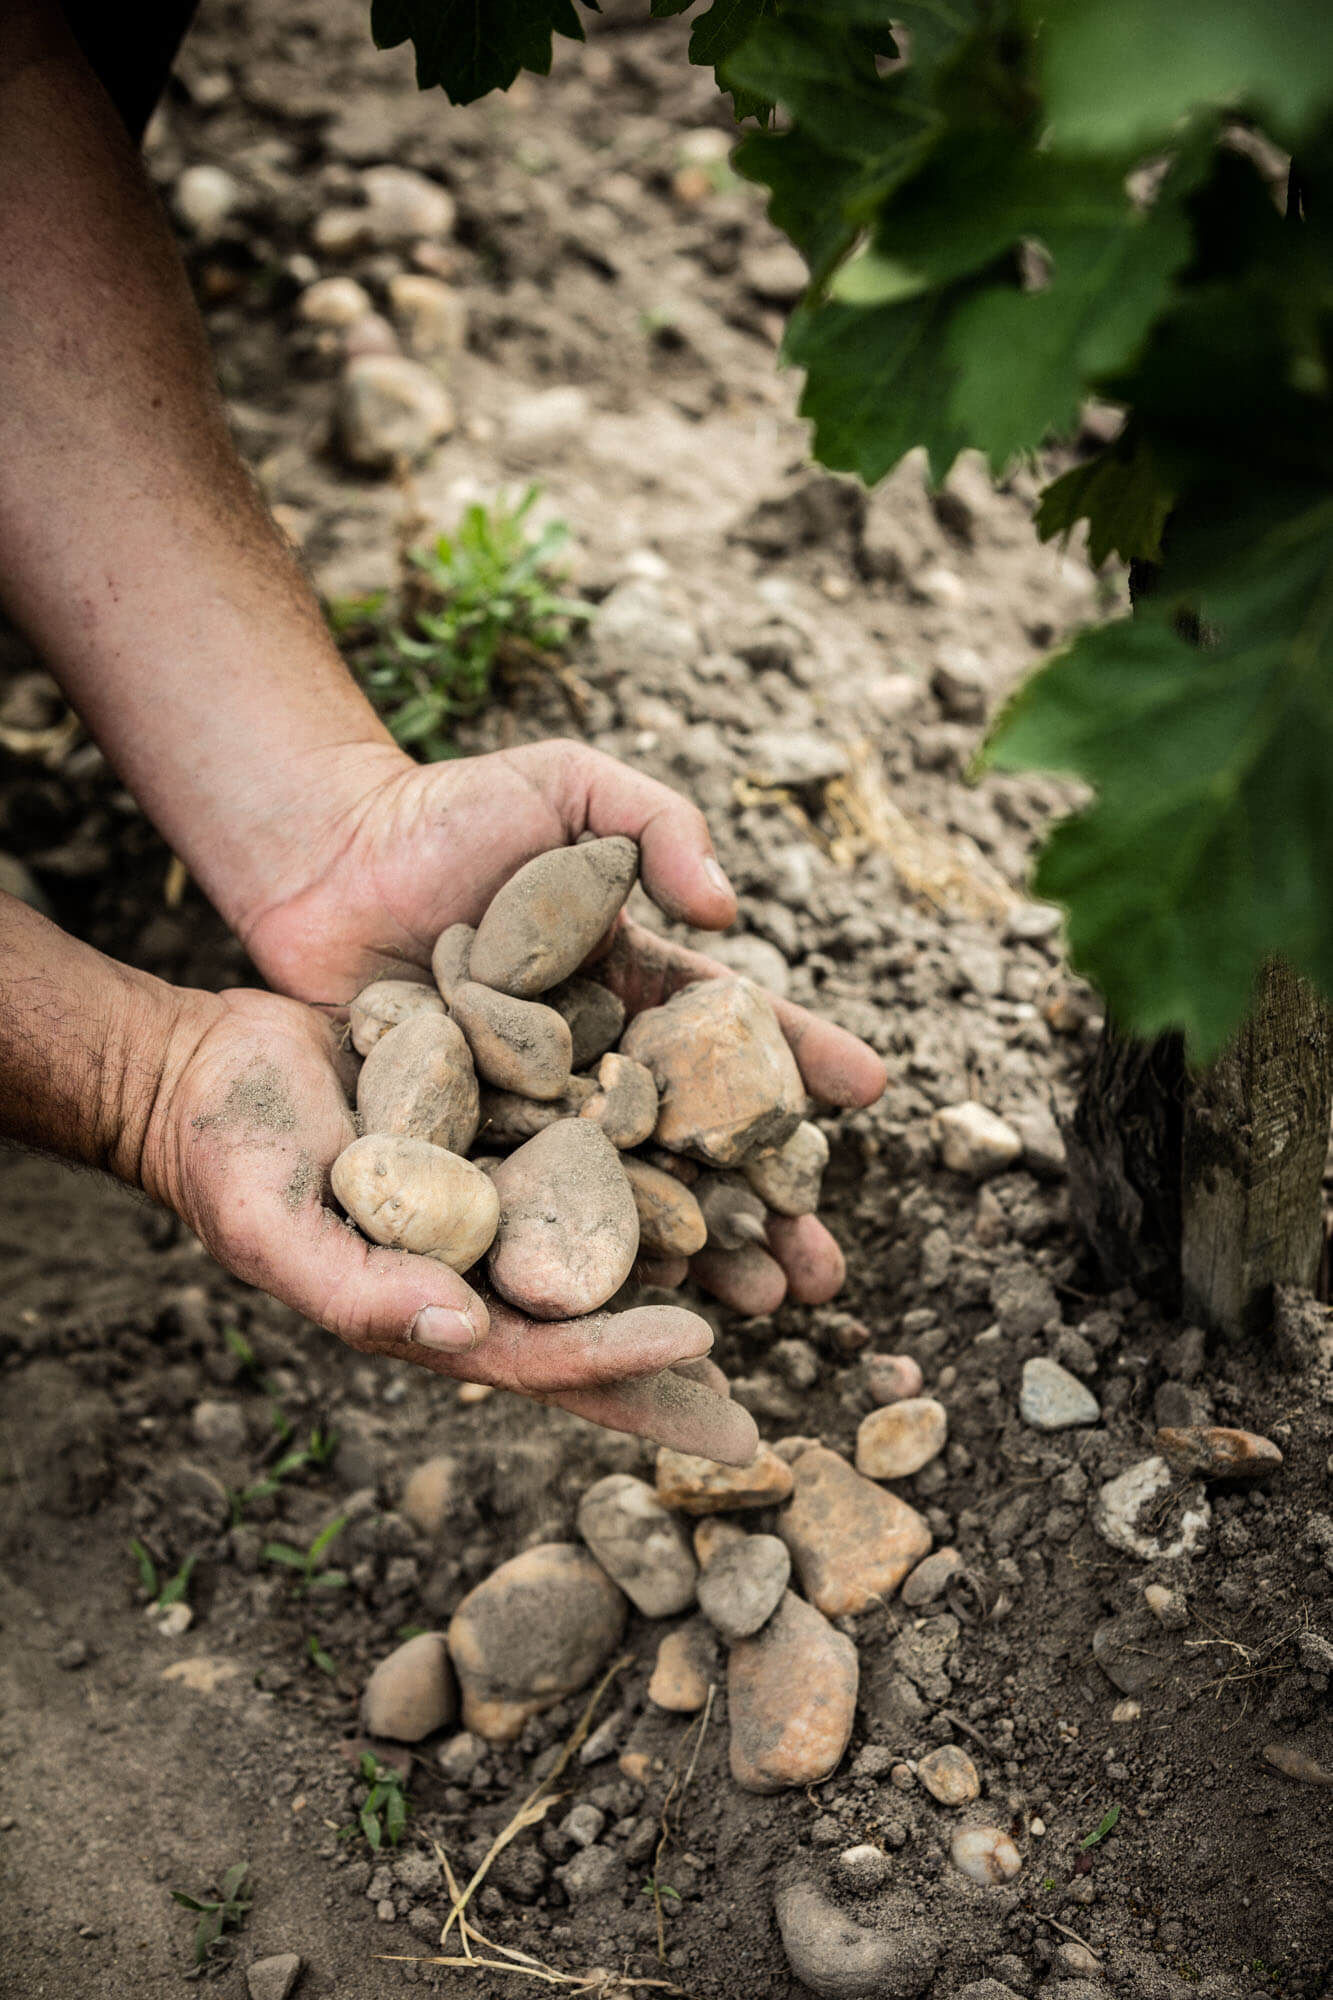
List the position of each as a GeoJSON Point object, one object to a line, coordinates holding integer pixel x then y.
{"type": "Point", "coordinates": [439, 1327]}
{"type": "Point", "coordinates": [717, 875]}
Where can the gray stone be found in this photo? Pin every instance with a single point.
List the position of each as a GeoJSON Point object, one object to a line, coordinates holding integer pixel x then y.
{"type": "Point", "coordinates": [842, 1960]}
{"type": "Point", "coordinates": [1129, 1651]}
{"type": "Point", "coordinates": [595, 1871]}
{"type": "Point", "coordinates": [411, 1691]}
{"type": "Point", "coordinates": [390, 412]}
{"type": "Point", "coordinates": [1141, 1487]}
{"type": "Point", "coordinates": [796, 757]}
{"type": "Point", "coordinates": [864, 1867]}
{"type": "Point", "coordinates": [418, 1871]}
{"type": "Point", "coordinates": [639, 1544]}
{"type": "Point", "coordinates": [1023, 1299]}
{"type": "Point", "coordinates": [1051, 1399]}
{"type": "Point", "coordinates": [743, 1584]}
{"type": "Point", "coordinates": [221, 1426]}
{"type": "Point", "coordinates": [582, 1824]}
{"type": "Point", "coordinates": [273, 1978]}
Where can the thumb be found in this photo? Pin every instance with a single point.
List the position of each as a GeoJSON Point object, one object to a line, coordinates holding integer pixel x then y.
{"type": "Point", "coordinates": [680, 870]}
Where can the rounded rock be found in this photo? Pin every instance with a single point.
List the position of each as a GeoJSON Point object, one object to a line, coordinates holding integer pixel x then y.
{"type": "Point", "coordinates": [931, 1578]}
{"type": "Point", "coordinates": [205, 198]}
{"type": "Point", "coordinates": [743, 1584]}
{"type": "Point", "coordinates": [839, 1959]}
{"type": "Point", "coordinates": [418, 1081]}
{"type": "Point", "coordinates": [897, 1440]}
{"type": "Point", "coordinates": [671, 1223]}
{"type": "Point", "coordinates": [791, 1695]}
{"type": "Point", "coordinates": [985, 1854]}
{"type": "Point", "coordinates": [411, 1693]}
{"type": "Point", "coordinates": [701, 1486]}
{"type": "Point", "coordinates": [973, 1141]}
{"type": "Point", "coordinates": [788, 1178]}
{"type": "Point", "coordinates": [624, 1103]}
{"type": "Point", "coordinates": [391, 411]}
{"type": "Point", "coordinates": [1051, 1399]}
{"type": "Point", "coordinates": [852, 1543]}
{"type": "Point", "coordinates": [410, 1195]}
{"type": "Point", "coordinates": [517, 1045]}
{"type": "Point", "coordinates": [432, 1493]}
{"type": "Point", "coordinates": [569, 1230]}
{"type": "Point", "coordinates": [430, 315]}
{"type": "Point", "coordinates": [543, 922]}
{"type": "Point", "coordinates": [727, 1081]}
{"type": "Point", "coordinates": [449, 959]}
{"type": "Point", "coordinates": [539, 1628]}
{"type": "Point", "coordinates": [639, 1544]}
{"type": "Point", "coordinates": [950, 1776]}
{"type": "Point", "coordinates": [893, 1378]}
{"type": "Point", "coordinates": [685, 1668]}
{"type": "Point", "coordinates": [384, 1004]}
{"type": "Point", "coordinates": [594, 1013]}
{"type": "Point", "coordinates": [1212, 1451]}
{"type": "Point", "coordinates": [335, 302]}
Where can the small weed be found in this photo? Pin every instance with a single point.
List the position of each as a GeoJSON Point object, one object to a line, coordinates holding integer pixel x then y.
{"type": "Point", "coordinates": [324, 1661]}
{"type": "Point", "coordinates": [652, 1887]}
{"type": "Point", "coordinates": [383, 1816]}
{"type": "Point", "coordinates": [162, 1595]}
{"type": "Point", "coordinates": [224, 1911]}
{"type": "Point", "coordinates": [1049, 1883]}
{"type": "Point", "coordinates": [316, 1453]}
{"type": "Point", "coordinates": [484, 598]}
{"type": "Point", "coordinates": [247, 1360]}
{"type": "Point", "coordinates": [307, 1561]}
{"type": "Point", "coordinates": [1100, 1831]}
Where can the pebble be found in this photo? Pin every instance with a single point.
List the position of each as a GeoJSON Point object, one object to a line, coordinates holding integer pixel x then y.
{"type": "Point", "coordinates": [204, 198]}
{"type": "Point", "coordinates": [432, 1493]}
{"type": "Point", "coordinates": [949, 1775]}
{"type": "Point", "coordinates": [851, 1542]}
{"type": "Point", "coordinates": [892, 1378]}
{"type": "Point", "coordinates": [411, 1692]}
{"type": "Point", "coordinates": [796, 757]}
{"type": "Point", "coordinates": [701, 1486]}
{"type": "Point", "coordinates": [1168, 1607]}
{"type": "Point", "coordinates": [430, 315]}
{"type": "Point", "coordinates": [744, 1584]}
{"type": "Point", "coordinates": [583, 1824]}
{"type": "Point", "coordinates": [779, 274]}
{"type": "Point", "coordinates": [864, 1867]}
{"type": "Point", "coordinates": [595, 1871]}
{"type": "Point", "coordinates": [712, 1534]}
{"type": "Point", "coordinates": [839, 1959]}
{"type": "Point", "coordinates": [727, 1080]}
{"type": "Point", "coordinates": [1126, 1711]}
{"type": "Point", "coordinates": [1293, 1763]}
{"type": "Point", "coordinates": [973, 1141]}
{"type": "Point", "coordinates": [639, 1544]}
{"type": "Point", "coordinates": [686, 1667]}
{"type": "Point", "coordinates": [791, 1694]}
{"type": "Point", "coordinates": [539, 1628]}
{"type": "Point", "coordinates": [931, 1578]}
{"type": "Point", "coordinates": [1043, 1142]}
{"type": "Point", "coordinates": [1051, 1399]}
{"type": "Point", "coordinates": [459, 1756]}
{"type": "Point", "coordinates": [897, 1440]}
{"type": "Point", "coordinates": [221, 1426]}
{"type": "Point", "coordinates": [336, 302]}
{"type": "Point", "coordinates": [273, 1978]}
{"type": "Point", "coordinates": [1210, 1451]}
{"type": "Point", "coordinates": [1122, 1500]}
{"type": "Point", "coordinates": [1127, 1648]}
{"type": "Point", "coordinates": [173, 1620]}
{"type": "Point", "coordinates": [390, 411]}
{"type": "Point", "coordinates": [1024, 1300]}
{"type": "Point", "coordinates": [985, 1854]}
{"type": "Point", "coordinates": [401, 205]}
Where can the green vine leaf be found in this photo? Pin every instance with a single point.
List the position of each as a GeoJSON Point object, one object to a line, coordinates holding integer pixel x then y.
{"type": "Point", "coordinates": [470, 47]}
{"type": "Point", "coordinates": [1121, 496]}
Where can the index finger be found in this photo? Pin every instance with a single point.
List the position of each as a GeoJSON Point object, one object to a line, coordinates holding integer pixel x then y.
{"type": "Point", "coordinates": [836, 1067]}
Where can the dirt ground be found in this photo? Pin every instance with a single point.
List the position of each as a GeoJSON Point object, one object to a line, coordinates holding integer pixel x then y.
{"type": "Point", "coordinates": [814, 670]}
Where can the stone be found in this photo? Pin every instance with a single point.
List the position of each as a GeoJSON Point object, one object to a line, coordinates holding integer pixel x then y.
{"type": "Point", "coordinates": [221, 1426]}
{"type": "Point", "coordinates": [541, 924]}
{"type": "Point", "coordinates": [546, 417]}
{"type": "Point", "coordinates": [411, 1692]}
{"type": "Point", "coordinates": [384, 1004]}
{"type": "Point", "coordinates": [402, 205]}
{"type": "Point", "coordinates": [851, 1542]}
{"type": "Point", "coordinates": [371, 335]}
{"type": "Point", "coordinates": [754, 958]}
{"type": "Point", "coordinates": [892, 1378]}
{"type": "Point", "coordinates": [569, 1228]}
{"type": "Point", "coordinates": [974, 1141]}
{"type": "Point", "coordinates": [432, 1493]}
{"type": "Point", "coordinates": [960, 686]}
{"type": "Point", "coordinates": [839, 1959]}
{"type": "Point", "coordinates": [593, 1014]}
{"type": "Point", "coordinates": [625, 1102]}
{"type": "Point", "coordinates": [334, 302]}
{"type": "Point", "coordinates": [391, 411]}
{"type": "Point", "coordinates": [595, 1871]}
{"type": "Point", "coordinates": [864, 1867]}
{"type": "Point", "coordinates": [1128, 1649]}
{"type": "Point", "coordinates": [727, 1081]}
{"type": "Point", "coordinates": [1168, 1607]}
{"type": "Point", "coordinates": [1121, 1501]}
{"type": "Point", "coordinates": [273, 1978]}
{"type": "Point", "coordinates": [788, 1178]}
{"type": "Point", "coordinates": [639, 1544]}
{"type": "Point", "coordinates": [985, 1854]}
{"type": "Point", "coordinates": [931, 1578]}
{"type": "Point", "coordinates": [701, 1486]}
{"type": "Point", "coordinates": [1051, 1399]}
{"type": "Point", "coordinates": [896, 1440]}
{"type": "Point", "coordinates": [791, 1695]}
{"type": "Point", "coordinates": [796, 758]}
{"type": "Point", "coordinates": [205, 198]}
{"type": "Point", "coordinates": [778, 274]}
{"type": "Point", "coordinates": [1211, 1451]}
{"type": "Point", "coordinates": [949, 1775]}
{"type": "Point", "coordinates": [172, 1620]}
{"type": "Point", "coordinates": [686, 1667]}
{"type": "Point", "coordinates": [744, 1583]}
{"type": "Point", "coordinates": [1024, 1300]}
{"type": "Point", "coordinates": [457, 1759]}
{"type": "Point", "coordinates": [1043, 1142]}
{"type": "Point", "coordinates": [539, 1628]}
{"type": "Point", "coordinates": [430, 315]}
{"type": "Point", "coordinates": [583, 1824]}
{"type": "Point", "coordinates": [518, 1046]}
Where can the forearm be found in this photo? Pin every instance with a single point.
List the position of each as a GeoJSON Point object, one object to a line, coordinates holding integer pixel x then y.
{"type": "Point", "coordinates": [85, 1045]}
{"type": "Point", "coordinates": [133, 547]}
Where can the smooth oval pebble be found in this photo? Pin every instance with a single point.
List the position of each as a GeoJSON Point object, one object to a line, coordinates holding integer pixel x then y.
{"type": "Point", "coordinates": [595, 1016]}
{"type": "Point", "coordinates": [732, 1210]}
{"type": "Point", "coordinates": [670, 1221]}
{"type": "Point", "coordinates": [949, 1775]}
{"type": "Point", "coordinates": [449, 960]}
{"type": "Point", "coordinates": [418, 1081]}
{"type": "Point", "coordinates": [639, 1545]}
{"type": "Point", "coordinates": [931, 1578]}
{"type": "Point", "coordinates": [891, 1378]}
{"type": "Point", "coordinates": [624, 1103]}
{"type": "Point", "coordinates": [413, 1196]}
{"type": "Point", "coordinates": [1213, 1451]}
{"type": "Point", "coordinates": [411, 1692]}
{"type": "Point", "coordinates": [852, 1543]}
{"type": "Point", "coordinates": [985, 1854]}
{"type": "Point", "coordinates": [839, 1959]}
{"type": "Point", "coordinates": [383, 1004]}
{"type": "Point", "coordinates": [743, 1584]}
{"type": "Point", "coordinates": [431, 1493]}
{"type": "Point", "coordinates": [538, 1628]}
{"type": "Point", "coordinates": [507, 1119]}
{"type": "Point", "coordinates": [687, 1666]}
{"type": "Point", "coordinates": [545, 920]}
{"type": "Point", "coordinates": [897, 1440]}
{"type": "Point", "coordinates": [701, 1486]}
{"type": "Point", "coordinates": [788, 1178]}
{"type": "Point", "coordinates": [726, 1079]}
{"type": "Point", "coordinates": [791, 1696]}
{"type": "Point", "coordinates": [516, 1045]}
{"type": "Point", "coordinates": [569, 1230]}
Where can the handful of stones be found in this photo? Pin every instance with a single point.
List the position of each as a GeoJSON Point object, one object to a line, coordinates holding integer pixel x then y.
{"type": "Point", "coordinates": [510, 1112]}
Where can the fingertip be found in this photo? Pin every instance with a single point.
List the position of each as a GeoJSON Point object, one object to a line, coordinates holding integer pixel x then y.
{"type": "Point", "coordinates": [681, 873]}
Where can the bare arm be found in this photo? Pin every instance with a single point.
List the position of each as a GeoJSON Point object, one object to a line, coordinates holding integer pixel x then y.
{"type": "Point", "coordinates": [134, 550]}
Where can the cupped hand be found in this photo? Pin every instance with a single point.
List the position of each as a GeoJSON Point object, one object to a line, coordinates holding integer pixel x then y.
{"type": "Point", "coordinates": [410, 848]}
{"type": "Point", "coordinates": [250, 1115]}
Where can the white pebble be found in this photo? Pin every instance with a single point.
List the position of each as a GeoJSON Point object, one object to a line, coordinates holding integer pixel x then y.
{"type": "Point", "coordinates": [985, 1854]}
{"type": "Point", "coordinates": [973, 1141]}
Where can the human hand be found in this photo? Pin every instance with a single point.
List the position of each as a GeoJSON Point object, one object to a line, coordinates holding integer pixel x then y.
{"type": "Point", "coordinates": [248, 1117]}
{"type": "Point", "coordinates": [409, 849]}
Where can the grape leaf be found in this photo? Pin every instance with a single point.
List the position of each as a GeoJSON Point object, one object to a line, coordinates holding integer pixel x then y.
{"type": "Point", "coordinates": [1120, 494]}
{"type": "Point", "coordinates": [1117, 76]}
{"type": "Point", "coordinates": [812, 192]}
{"type": "Point", "coordinates": [878, 383]}
{"type": "Point", "coordinates": [1209, 845]}
{"type": "Point", "coordinates": [660, 10]}
{"type": "Point", "coordinates": [723, 28]}
{"type": "Point", "coordinates": [470, 47]}
{"type": "Point", "coordinates": [825, 76]}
